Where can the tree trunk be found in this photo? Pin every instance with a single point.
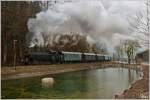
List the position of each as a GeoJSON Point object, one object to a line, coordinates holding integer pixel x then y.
{"type": "Point", "coordinates": [129, 61]}
{"type": "Point", "coordinates": [5, 54]}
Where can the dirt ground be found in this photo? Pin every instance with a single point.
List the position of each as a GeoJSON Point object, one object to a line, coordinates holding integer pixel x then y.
{"type": "Point", "coordinates": [139, 89]}
{"type": "Point", "coordinates": [39, 70]}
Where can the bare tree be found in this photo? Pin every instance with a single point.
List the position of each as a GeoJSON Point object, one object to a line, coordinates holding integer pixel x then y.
{"type": "Point", "coordinates": [47, 4]}
{"type": "Point", "coordinates": [14, 17]}
{"type": "Point", "coordinates": [131, 47]}
{"type": "Point", "coordinates": [127, 48]}
{"type": "Point", "coordinates": [141, 24]}
{"type": "Point", "coordinates": [119, 51]}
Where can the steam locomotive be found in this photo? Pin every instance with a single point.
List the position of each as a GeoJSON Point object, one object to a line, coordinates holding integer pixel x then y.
{"type": "Point", "coordinates": [62, 57]}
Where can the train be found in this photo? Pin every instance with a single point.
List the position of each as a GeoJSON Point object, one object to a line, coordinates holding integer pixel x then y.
{"type": "Point", "coordinates": [62, 57]}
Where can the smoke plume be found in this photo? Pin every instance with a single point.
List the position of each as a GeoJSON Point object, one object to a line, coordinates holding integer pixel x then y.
{"type": "Point", "coordinates": [99, 21]}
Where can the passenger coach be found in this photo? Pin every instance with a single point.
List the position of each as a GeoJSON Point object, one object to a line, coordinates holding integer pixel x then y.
{"type": "Point", "coordinates": [63, 57]}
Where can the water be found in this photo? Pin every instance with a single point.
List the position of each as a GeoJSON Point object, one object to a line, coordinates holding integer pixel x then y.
{"type": "Point", "coordinates": [99, 83]}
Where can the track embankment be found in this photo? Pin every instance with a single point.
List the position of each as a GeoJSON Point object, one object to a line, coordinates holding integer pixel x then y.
{"type": "Point", "coordinates": [40, 70]}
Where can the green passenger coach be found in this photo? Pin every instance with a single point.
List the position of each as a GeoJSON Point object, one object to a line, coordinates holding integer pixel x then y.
{"type": "Point", "coordinates": [72, 56]}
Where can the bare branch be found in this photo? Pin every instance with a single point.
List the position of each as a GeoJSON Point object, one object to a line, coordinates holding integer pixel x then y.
{"type": "Point", "coordinates": [141, 24]}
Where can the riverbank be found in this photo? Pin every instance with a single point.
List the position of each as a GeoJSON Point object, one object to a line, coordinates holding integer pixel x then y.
{"type": "Point", "coordinates": [139, 89]}
{"type": "Point", "coordinates": [40, 70]}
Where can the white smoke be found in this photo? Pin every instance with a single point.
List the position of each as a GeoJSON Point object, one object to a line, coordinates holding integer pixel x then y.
{"type": "Point", "coordinates": [98, 20]}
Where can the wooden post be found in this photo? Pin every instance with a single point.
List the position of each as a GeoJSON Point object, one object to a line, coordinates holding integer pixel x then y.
{"type": "Point", "coordinates": [15, 54]}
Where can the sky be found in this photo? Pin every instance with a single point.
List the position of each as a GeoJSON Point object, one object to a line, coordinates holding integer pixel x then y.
{"type": "Point", "coordinates": [99, 20]}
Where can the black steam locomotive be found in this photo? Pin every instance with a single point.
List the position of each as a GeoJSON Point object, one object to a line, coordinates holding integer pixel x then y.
{"type": "Point", "coordinates": [62, 57]}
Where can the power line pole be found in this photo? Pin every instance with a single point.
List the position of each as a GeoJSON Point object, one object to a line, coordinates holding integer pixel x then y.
{"type": "Point", "coordinates": [15, 54]}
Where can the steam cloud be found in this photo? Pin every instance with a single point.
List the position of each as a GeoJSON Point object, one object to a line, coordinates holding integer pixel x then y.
{"type": "Point", "coordinates": [100, 21]}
